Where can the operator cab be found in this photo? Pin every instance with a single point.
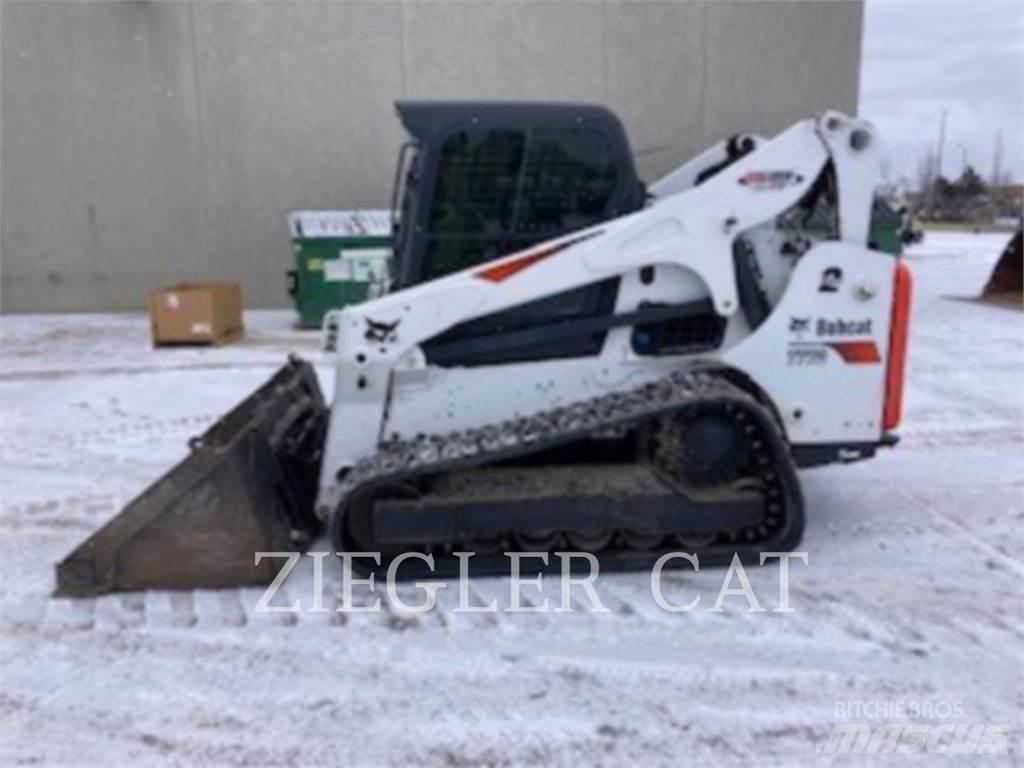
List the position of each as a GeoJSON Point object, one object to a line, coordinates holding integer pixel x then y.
{"type": "Point", "coordinates": [478, 180]}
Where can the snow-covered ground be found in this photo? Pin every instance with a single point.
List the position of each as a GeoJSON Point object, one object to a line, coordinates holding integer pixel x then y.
{"type": "Point", "coordinates": [909, 611]}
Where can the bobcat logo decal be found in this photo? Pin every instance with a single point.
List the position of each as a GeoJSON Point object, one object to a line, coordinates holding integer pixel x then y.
{"type": "Point", "coordinates": [799, 325]}
{"type": "Point", "coordinates": [383, 333]}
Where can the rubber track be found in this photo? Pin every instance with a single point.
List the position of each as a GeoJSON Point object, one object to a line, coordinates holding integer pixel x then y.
{"type": "Point", "coordinates": [407, 460]}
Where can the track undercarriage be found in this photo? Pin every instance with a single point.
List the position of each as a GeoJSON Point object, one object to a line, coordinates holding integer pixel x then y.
{"type": "Point", "coordinates": [688, 463]}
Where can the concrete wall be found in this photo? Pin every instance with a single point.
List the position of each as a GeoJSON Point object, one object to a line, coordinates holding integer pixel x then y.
{"type": "Point", "coordinates": [147, 142]}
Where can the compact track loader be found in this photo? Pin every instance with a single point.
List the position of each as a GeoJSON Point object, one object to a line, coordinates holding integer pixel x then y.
{"type": "Point", "coordinates": [701, 349]}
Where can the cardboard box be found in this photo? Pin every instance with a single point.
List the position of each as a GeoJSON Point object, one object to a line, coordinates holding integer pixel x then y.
{"type": "Point", "coordinates": [196, 313]}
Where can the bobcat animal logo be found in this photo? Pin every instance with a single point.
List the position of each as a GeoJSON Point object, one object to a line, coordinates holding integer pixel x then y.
{"type": "Point", "coordinates": [799, 325]}
{"type": "Point", "coordinates": [383, 333]}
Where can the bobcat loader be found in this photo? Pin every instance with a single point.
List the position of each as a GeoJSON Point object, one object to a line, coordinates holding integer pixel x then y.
{"type": "Point", "coordinates": [735, 329]}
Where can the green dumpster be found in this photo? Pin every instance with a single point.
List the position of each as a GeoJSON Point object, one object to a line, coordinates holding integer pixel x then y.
{"type": "Point", "coordinates": [341, 258]}
{"type": "Point", "coordinates": [887, 221]}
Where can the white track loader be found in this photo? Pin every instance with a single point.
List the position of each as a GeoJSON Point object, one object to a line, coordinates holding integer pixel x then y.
{"type": "Point", "coordinates": [700, 351]}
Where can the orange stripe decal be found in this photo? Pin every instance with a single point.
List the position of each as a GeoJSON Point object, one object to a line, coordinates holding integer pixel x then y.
{"type": "Point", "coordinates": [857, 352]}
{"type": "Point", "coordinates": [506, 269]}
{"type": "Point", "coordinates": [503, 270]}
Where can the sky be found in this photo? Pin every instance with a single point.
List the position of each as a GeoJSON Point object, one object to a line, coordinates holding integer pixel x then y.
{"type": "Point", "coordinates": [962, 56]}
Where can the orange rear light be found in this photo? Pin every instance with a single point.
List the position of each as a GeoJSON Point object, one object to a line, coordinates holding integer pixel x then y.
{"type": "Point", "coordinates": [898, 331]}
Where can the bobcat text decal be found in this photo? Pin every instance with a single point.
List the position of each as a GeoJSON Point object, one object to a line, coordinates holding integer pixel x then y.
{"type": "Point", "coordinates": [853, 351]}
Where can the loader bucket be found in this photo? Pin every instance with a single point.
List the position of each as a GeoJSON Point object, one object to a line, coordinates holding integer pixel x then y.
{"type": "Point", "coordinates": [1008, 273]}
{"type": "Point", "coordinates": [247, 486]}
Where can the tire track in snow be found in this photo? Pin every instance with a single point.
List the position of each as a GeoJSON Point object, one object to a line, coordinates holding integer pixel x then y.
{"type": "Point", "coordinates": [1012, 564]}
{"type": "Point", "coordinates": [113, 435]}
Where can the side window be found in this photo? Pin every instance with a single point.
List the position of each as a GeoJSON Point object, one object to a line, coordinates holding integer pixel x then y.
{"type": "Point", "coordinates": [474, 200]}
{"type": "Point", "coordinates": [403, 200]}
{"type": "Point", "coordinates": [500, 191]}
{"type": "Point", "coordinates": [569, 181]}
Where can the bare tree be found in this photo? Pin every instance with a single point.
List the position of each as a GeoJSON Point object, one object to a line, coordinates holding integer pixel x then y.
{"type": "Point", "coordinates": [886, 169]}
{"type": "Point", "coordinates": [997, 160]}
{"type": "Point", "coordinates": [926, 175]}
